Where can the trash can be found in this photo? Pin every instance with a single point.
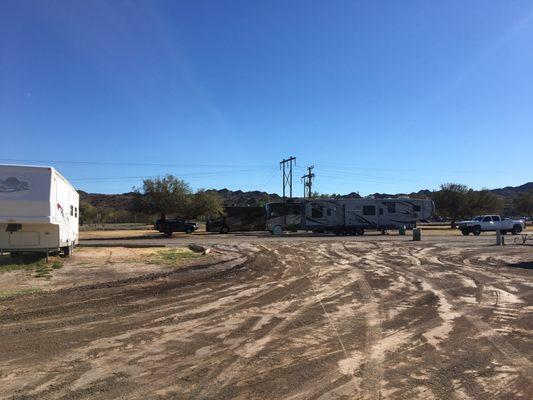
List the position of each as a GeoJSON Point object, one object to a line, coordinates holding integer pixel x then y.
{"type": "Point", "coordinates": [401, 231]}
{"type": "Point", "coordinates": [417, 234]}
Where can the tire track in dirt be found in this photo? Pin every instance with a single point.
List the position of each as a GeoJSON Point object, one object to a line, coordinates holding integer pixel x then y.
{"type": "Point", "coordinates": [298, 320]}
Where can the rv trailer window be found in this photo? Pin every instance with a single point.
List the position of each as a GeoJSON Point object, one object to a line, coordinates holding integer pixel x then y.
{"type": "Point", "coordinates": [316, 211]}
{"type": "Point", "coordinates": [328, 212]}
{"type": "Point", "coordinates": [71, 211]}
{"type": "Point", "coordinates": [416, 207]}
{"type": "Point", "coordinates": [391, 208]}
{"type": "Point", "coordinates": [76, 212]}
{"type": "Point", "coordinates": [369, 210]}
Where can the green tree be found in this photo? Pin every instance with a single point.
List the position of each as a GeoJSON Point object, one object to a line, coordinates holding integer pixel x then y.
{"type": "Point", "coordinates": [523, 203]}
{"type": "Point", "coordinates": [163, 196]}
{"type": "Point", "coordinates": [482, 202]}
{"type": "Point", "coordinates": [87, 213]}
{"type": "Point", "coordinates": [205, 203]}
{"type": "Point", "coordinates": [451, 201]}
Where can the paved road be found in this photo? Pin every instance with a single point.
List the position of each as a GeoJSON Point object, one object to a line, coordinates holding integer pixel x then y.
{"type": "Point", "coordinates": [264, 237]}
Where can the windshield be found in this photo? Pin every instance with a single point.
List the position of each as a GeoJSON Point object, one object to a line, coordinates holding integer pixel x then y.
{"type": "Point", "coordinates": [478, 218]}
{"type": "Point", "coordinates": [274, 210]}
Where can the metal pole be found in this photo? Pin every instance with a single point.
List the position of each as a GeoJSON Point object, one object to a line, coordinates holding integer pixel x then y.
{"type": "Point", "coordinates": [283, 179]}
{"type": "Point", "coordinates": [290, 184]}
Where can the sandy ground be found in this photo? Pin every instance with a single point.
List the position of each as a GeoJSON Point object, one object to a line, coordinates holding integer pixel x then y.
{"type": "Point", "coordinates": [94, 265]}
{"type": "Point", "coordinates": [313, 318]}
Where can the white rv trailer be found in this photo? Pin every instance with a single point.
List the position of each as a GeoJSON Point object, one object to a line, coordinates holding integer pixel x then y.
{"type": "Point", "coordinates": [348, 216]}
{"type": "Point", "coordinates": [39, 210]}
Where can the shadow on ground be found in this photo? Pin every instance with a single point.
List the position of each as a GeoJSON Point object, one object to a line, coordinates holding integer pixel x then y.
{"type": "Point", "coordinates": [523, 265]}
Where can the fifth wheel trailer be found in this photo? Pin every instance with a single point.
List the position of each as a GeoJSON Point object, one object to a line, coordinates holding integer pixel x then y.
{"type": "Point", "coordinates": [347, 216]}
{"type": "Point", "coordinates": [39, 210]}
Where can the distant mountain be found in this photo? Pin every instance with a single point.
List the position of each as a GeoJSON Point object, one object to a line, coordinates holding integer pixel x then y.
{"type": "Point", "coordinates": [240, 198]}
{"type": "Point", "coordinates": [425, 193]}
{"type": "Point", "coordinates": [256, 197]}
{"type": "Point", "coordinates": [113, 201]}
{"type": "Point", "coordinates": [512, 191]}
{"type": "Point", "coordinates": [230, 197]}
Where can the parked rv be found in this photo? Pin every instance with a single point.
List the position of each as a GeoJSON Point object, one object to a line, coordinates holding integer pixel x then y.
{"type": "Point", "coordinates": [347, 216]}
{"type": "Point", "coordinates": [39, 210]}
{"type": "Point", "coordinates": [237, 219]}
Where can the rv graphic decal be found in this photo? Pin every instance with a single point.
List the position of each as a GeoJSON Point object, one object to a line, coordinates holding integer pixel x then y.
{"type": "Point", "coordinates": [12, 184]}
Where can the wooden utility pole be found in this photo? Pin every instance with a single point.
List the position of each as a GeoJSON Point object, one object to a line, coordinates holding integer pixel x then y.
{"type": "Point", "coordinates": [308, 181]}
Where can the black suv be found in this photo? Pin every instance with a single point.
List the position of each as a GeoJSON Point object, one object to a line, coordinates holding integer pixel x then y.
{"type": "Point", "coordinates": [172, 225]}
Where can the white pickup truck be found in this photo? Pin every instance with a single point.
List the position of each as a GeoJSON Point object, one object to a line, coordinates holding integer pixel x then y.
{"type": "Point", "coordinates": [486, 223]}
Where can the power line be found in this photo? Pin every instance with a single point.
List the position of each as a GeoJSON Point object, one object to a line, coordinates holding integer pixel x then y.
{"type": "Point", "coordinates": [133, 164]}
{"type": "Point", "coordinates": [190, 174]}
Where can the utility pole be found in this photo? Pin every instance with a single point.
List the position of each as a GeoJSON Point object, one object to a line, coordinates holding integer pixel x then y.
{"type": "Point", "coordinates": [287, 174]}
{"type": "Point", "coordinates": [308, 181]}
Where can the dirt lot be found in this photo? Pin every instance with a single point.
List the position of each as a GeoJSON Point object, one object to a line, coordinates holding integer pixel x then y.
{"type": "Point", "coordinates": [294, 318]}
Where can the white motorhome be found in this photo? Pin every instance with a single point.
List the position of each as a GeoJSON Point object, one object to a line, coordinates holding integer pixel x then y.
{"type": "Point", "coordinates": [347, 216]}
{"type": "Point", "coordinates": [39, 210]}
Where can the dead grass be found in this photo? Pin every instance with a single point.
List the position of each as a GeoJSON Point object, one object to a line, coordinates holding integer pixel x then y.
{"type": "Point", "coordinates": [172, 257]}
{"type": "Point", "coordinates": [33, 263]}
{"type": "Point", "coordinates": [17, 293]}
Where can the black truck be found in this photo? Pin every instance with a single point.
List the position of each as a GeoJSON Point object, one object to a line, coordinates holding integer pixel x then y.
{"type": "Point", "coordinates": [171, 225]}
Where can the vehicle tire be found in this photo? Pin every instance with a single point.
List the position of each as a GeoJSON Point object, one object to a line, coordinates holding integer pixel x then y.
{"type": "Point", "coordinates": [277, 230]}
{"type": "Point", "coordinates": [359, 231]}
{"type": "Point", "coordinates": [476, 230]}
{"type": "Point", "coordinates": [67, 250]}
{"type": "Point", "coordinates": [465, 232]}
{"type": "Point", "coordinates": [168, 234]}
{"type": "Point", "coordinates": [188, 231]}
{"type": "Point", "coordinates": [224, 230]}
{"type": "Point", "coordinates": [516, 229]}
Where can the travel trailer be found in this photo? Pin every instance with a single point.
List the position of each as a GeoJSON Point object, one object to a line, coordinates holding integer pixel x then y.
{"type": "Point", "coordinates": [347, 216]}
{"type": "Point", "coordinates": [39, 210]}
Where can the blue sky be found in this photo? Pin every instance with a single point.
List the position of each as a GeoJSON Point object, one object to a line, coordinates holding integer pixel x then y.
{"type": "Point", "coordinates": [384, 96]}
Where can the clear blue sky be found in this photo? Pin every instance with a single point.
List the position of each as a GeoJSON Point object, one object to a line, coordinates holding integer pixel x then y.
{"type": "Point", "coordinates": [384, 96]}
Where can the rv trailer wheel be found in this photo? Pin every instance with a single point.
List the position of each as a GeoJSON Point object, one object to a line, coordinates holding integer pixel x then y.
{"type": "Point", "coordinates": [67, 250]}
{"type": "Point", "coordinates": [359, 231]}
{"type": "Point", "coordinates": [224, 230]}
{"type": "Point", "coordinates": [277, 230]}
